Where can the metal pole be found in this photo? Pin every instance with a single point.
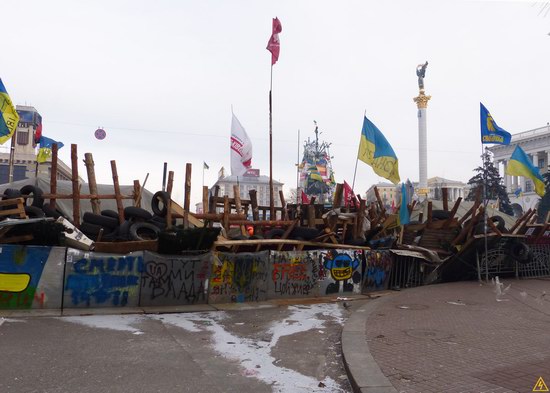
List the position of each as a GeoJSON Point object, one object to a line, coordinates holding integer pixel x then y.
{"type": "Point", "coordinates": [485, 212]}
{"type": "Point", "coordinates": [271, 199]}
{"type": "Point", "coordinates": [298, 171]}
{"type": "Point", "coordinates": [164, 176]}
{"type": "Point", "coordinates": [12, 157]}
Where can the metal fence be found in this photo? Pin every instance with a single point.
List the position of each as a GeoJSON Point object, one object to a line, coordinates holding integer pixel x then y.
{"type": "Point", "coordinates": [408, 272]}
{"type": "Point", "coordinates": [498, 261]}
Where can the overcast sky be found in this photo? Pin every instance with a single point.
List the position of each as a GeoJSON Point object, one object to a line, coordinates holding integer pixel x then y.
{"type": "Point", "coordinates": [160, 77]}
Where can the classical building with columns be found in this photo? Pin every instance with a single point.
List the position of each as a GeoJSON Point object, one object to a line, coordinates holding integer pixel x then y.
{"type": "Point", "coordinates": [455, 189]}
{"type": "Point", "coordinates": [536, 143]}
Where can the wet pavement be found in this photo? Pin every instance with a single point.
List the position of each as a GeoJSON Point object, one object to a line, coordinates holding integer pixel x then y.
{"type": "Point", "coordinates": [261, 348]}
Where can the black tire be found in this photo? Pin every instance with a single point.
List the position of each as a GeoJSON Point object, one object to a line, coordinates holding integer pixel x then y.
{"type": "Point", "coordinates": [160, 197]}
{"type": "Point", "coordinates": [123, 231]}
{"type": "Point", "coordinates": [520, 252]}
{"type": "Point", "coordinates": [109, 213]}
{"type": "Point", "coordinates": [104, 221]}
{"type": "Point", "coordinates": [161, 219]}
{"type": "Point", "coordinates": [37, 199]}
{"type": "Point", "coordinates": [144, 231]}
{"type": "Point", "coordinates": [91, 230]}
{"type": "Point", "coordinates": [274, 233]}
{"type": "Point", "coordinates": [238, 237]}
{"type": "Point", "coordinates": [440, 214]}
{"type": "Point", "coordinates": [304, 233]}
{"type": "Point", "coordinates": [137, 213]}
{"type": "Point", "coordinates": [499, 222]}
{"type": "Point", "coordinates": [34, 212]}
{"type": "Point", "coordinates": [11, 193]}
{"type": "Point", "coordinates": [49, 212]}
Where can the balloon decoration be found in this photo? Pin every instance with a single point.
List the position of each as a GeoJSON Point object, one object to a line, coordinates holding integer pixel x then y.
{"type": "Point", "coordinates": [100, 133]}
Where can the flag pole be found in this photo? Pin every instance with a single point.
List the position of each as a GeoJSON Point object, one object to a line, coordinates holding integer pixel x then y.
{"type": "Point", "coordinates": [357, 158]}
{"type": "Point", "coordinates": [485, 212]}
{"type": "Point", "coordinates": [271, 200]}
{"type": "Point", "coordinates": [298, 170]}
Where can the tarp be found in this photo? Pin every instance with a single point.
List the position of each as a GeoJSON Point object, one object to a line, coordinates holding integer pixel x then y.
{"type": "Point", "coordinates": [65, 187]}
{"type": "Point", "coordinates": [462, 210]}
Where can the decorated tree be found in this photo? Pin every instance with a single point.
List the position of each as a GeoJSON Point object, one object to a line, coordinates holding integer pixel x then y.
{"type": "Point", "coordinates": [495, 185]}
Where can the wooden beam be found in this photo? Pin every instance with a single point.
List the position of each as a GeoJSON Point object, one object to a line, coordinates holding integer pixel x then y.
{"type": "Point", "coordinates": [118, 196]}
{"type": "Point", "coordinates": [445, 198]}
{"type": "Point", "coordinates": [187, 195]}
{"type": "Point", "coordinates": [92, 185]}
{"type": "Point", "coordinates": [76, 188]}
{"type": "Point", "coordinates": [53, 175]}
{"type": "Point", "coordinates": [169, 188]}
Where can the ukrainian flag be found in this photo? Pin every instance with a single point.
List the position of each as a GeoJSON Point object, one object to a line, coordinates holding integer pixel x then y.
{"type": "Point", "coordinates": [375, 151]}
{"type": "Point", "coordinates": [45, 150]}
{"type": "Point", "coordinates": [9, 117]}
{"type": "Point", "coordinates": [404, 218]}
{"type": "Point", "coordinates": [520, 165]}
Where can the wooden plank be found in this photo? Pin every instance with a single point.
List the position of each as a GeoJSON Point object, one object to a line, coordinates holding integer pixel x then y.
{"type": "Point", "coordinates": [284, 215]}
{"type": "Point", "coordinates": [238, 207]}
{"type": "Point", "coordinates": [311, 216]}
{"type": "Point", "coordinates": [118, 196]}
{"type": "Point", "coordinates": [445, 198]}
{"type": "Point", "coordinates": [53, 175]}
{"type": "Point", "coordinates": [126, 247]}
{"type": "Point", "coordinates": [187, 195]}
{"type": "Point", "coordinates": [338, 196]}
{"type": "Point", "coordinates": [254, 203]}
{"type": "Point", "coordinates": [76, 187]}
{"type": "Point", "coordinates": [379, 200]}
{"type": "Point", "coordinates": [137, 194]}
{"type": "Point", "coordinates": [92, 185]}
{"type": "Point", "coordinates": [226, 211]}
{"type": "Point", "coordinates": [275, 242]}
{"type": "Point", "coordinates": [453, 212]}
{"type": "Point", "coordinates": [169, 188]}
{"type": "Point", "coordinates": [205, 199]}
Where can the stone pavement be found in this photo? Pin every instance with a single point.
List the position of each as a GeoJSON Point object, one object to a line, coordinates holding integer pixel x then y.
{"type": "Point", "coordinates": [455, 337]}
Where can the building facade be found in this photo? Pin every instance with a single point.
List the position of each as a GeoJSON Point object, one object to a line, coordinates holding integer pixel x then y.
{"type": "Point", "coordinates": [536, 144]}
{"type": "Point", "coordinates": [455, 189]}
{"type": "Point", "coordinates": [389, 193]}
{"type": "Point", "coordinates": [24, 163]}
{"type": "Point", "coordinates": [251, 180]}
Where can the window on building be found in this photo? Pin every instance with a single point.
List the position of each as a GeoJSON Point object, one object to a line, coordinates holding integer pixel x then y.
{"type": "Point", "coordinates": [22, 137]}
{"type": "Point", "coordinates": [528, 186]}
{"type": "Point", "coordinates": [541, 163]}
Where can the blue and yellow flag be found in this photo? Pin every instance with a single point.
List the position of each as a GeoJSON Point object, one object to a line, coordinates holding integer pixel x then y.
{"type": "Point", "coordinates": [490, 132]}
{"type": "Point", "coordinates": [45, 150]}
{"type": "Point", "coordinates": [520, 165]}
{"type": "Point", "coordinates": [375, 151]}
{"type": "Point", "coordinates": [404, 216]}
{"type": "Point", "coordinates": [9, 117]}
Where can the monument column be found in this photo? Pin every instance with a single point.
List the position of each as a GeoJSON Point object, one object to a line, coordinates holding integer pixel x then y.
{"type": "Point", "coordinates": [422, 105]}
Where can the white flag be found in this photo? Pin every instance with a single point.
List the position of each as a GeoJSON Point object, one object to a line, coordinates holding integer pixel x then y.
{"type": "Point", "coordinates": [241, 148]}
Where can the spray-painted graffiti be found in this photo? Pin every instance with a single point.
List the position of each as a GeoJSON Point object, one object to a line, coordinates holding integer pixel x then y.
{"type": "Point", "coordinates": [25, 282]}
{"type": "Point", "coordinates": [379, 264]}
{"type": "Point", "coordinates": [96, 280]}
{"type": "Point", "coordinates": [296, 273]}
{"type": "Point", "coordinates": [174, 280]}
{"type": "Point", "coordinates": [345, 271]}
{"type": "Point", "coordinates": [239, 277]}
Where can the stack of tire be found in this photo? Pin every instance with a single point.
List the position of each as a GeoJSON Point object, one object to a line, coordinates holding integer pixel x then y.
{"type": "Point", "coordinates": [139, 224]}
{"type": "Point", "coordinates": [34, 203]}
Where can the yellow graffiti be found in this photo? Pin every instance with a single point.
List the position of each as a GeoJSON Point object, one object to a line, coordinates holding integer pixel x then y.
{"type": "Point", "coordinates": [341, 273]}
{"type": "Point", "coordinates": [14, 282]}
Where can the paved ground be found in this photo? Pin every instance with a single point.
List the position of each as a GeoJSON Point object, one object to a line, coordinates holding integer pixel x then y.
{"type": "Point", "coordinates": [457, 337]}
{"type": "Point", "coordinates": [257, 348]}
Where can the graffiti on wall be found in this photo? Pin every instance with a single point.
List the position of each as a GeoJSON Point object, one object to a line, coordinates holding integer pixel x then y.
{"type": "Point", "coordinates": [343, 271]}
{"type": "Point", "coordinates": [102, 280]}
{"type": "Point", "coordinates": [30, 277]}
{"type": "Point", "coordinates": [296, 273]}
{"type": "Point", "coordinates": [174, 280]}
{"type": "Point", "coordinates": [239, 278]}
{"type": "Point", "coordinates": [378, 269]}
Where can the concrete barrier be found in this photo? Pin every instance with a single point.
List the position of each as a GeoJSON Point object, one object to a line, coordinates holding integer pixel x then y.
{"type": "Point", "coordinates": [33, 277]}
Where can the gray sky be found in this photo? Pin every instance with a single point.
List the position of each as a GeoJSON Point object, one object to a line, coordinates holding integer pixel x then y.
{"type": "Point", "coordinates": [161, 77]}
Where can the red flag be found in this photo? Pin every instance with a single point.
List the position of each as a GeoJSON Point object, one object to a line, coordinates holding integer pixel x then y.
{"type": "Point", "coordinates": [273, 44]}
{"type": "Point", "coordinates": [349, 196]}
{"type": "Point", "coordinates": [305, 199]}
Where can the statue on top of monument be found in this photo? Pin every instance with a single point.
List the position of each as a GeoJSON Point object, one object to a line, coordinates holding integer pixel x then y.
{"type": "Point", "coordinates": [421, 72]}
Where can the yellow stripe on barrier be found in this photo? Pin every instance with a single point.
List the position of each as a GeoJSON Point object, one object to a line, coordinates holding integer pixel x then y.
{"type": "Point", "coordinates": [14, 282]}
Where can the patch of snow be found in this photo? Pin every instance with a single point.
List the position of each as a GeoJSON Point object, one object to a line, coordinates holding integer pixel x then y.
{"type": "Point", "coordinates": [113, 322]}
